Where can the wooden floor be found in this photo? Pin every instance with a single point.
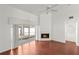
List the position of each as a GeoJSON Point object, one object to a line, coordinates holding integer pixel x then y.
{"type": "Point", "coordinates": [45, 48]}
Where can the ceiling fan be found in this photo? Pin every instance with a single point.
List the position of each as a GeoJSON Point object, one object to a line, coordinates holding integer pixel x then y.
{"type": "Point", "coordinates": [49, 9]}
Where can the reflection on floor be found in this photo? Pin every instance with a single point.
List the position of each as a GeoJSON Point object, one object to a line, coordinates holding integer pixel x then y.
{"type": "Point", "coordinates": [45, 48]}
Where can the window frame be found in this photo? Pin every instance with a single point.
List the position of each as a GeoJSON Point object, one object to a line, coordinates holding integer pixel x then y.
{"type": "Point", "coordinates": [22, 35]}
{"type": "Point", "coordinates": [32, 32]}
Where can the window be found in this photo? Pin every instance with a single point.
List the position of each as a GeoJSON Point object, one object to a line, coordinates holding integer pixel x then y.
{"type": "Point", "coordinates": [19, 32]}
{"type": "Point", "coordinates": [26, 32]}
{"type": "Point", "coordinates": [32, 31]}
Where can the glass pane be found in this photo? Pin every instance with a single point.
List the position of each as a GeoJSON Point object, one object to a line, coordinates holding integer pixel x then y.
{"type": "Point", "coordinates": [32, 31]}
{"type": "Point", "coordinates": [26, 31]}
{"type": "Point", "coordinates": [19, 32]}
{"type": "Point", "coordinates": [32, 34]}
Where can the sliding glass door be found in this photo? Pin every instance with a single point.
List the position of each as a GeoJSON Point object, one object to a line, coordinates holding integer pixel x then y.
{"type": "Point", "coordinates": [19, 31]}
{"type": "Point", "coordinates": [21, 34]}
{"type": "Point", "coordinates": [32, 31]}
{"type": "Point", "coordinates": [25, 32]}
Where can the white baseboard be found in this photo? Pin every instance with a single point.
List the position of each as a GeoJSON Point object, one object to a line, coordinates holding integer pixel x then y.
{"type": "Point", "coordinates": [4, 50]}
{"type": "Point", "coordinates": [61, 41]}
{"type": "Point", "coordinates": [70, 40]}
{"type": "Point", "coordinates": [51, 40]}
{"type": "Point", "coordinates": [44, 40]}
{"type": "Point", "coordinates": [77, 44]}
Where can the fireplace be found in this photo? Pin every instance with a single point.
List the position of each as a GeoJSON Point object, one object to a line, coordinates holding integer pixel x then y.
{"type": "Point", "coordinates": [45, 35]}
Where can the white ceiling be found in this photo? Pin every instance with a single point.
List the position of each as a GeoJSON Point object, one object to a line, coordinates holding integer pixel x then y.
{"type": "Point", "coordinates": [35, 8]}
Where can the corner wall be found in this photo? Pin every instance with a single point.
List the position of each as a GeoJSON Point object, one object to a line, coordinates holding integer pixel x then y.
{"type": "Point", "coordinates": [5, 12]}
{"type": "Point", "coordinates": [59, 18]}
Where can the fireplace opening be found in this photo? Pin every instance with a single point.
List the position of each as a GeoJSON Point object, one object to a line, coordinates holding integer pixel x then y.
{"type": "Point", "coordinates": [45, 35]}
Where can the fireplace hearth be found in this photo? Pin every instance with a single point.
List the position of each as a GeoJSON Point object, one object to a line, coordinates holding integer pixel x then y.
{"type": "Point", "coordinates": [45, 35]}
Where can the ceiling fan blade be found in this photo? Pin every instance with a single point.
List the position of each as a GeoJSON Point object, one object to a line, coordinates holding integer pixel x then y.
{"type": "Point", "coordinates": [48, 9]}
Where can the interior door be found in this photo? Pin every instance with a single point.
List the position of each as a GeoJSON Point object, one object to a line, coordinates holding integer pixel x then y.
{"type": "Point", "coordinates": [70, 30]}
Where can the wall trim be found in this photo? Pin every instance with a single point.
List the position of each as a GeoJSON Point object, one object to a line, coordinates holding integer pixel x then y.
{"type": "Point", "coordinates": [3, 52]}
{"type": "Point", "coordinates": [51, 40]}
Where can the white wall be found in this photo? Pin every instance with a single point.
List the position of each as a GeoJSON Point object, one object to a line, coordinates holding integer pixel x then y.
{"type": "Point", "coordinates": [78, 34]}
{"type": "Point", "coordinates": [45, 24]}
{"type": "Point", "coordinates": [58, 28]}
{"type": "Point", "coordinates": [5, 12]}
{"type": "Point", "coordinates": [59, 18]}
